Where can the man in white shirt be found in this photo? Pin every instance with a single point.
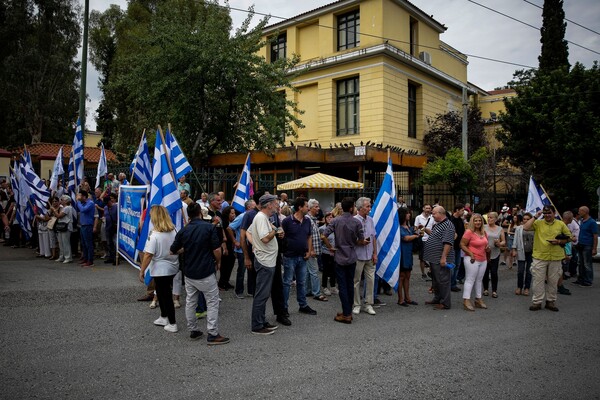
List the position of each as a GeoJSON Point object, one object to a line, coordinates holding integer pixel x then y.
{"type": "Point", "coordinates": [366, 258]}
{"type": "Point", "coordinates": [423, 224]}
{"type": "Point", "coordinates": [264, 246]}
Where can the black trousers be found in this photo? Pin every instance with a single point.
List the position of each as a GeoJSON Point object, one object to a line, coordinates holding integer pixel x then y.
{"type": "Point", "coordinates": [227, 264]}
{"type": "Point", "coordinates": [491, 269]}
{"type": "Point", "coordinates": [277, 289]}
{"type": "Point", "coordinates": [164, 293]}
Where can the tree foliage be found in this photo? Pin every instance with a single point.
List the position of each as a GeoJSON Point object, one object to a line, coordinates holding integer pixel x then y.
{"type": "Point", "coordinates": [176, 61]}
{"type": "Point", "coordinates": [555, 51]}
{"type": "Point", "coordinates": [453, 170]}
{"type": "Point", "coordinates": [551, 129]}
{"type": "Point", "coordinates": [38, 72]}
{"type": "Point", "coordinates": [445, 133]}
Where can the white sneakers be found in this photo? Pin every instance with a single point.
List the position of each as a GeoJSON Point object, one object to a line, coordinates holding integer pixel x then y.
{"type": "Point", "coordinates": [366, 308]}
{"type": "Point", "coordinates": [176, 303]}
{"type": "Point", "coordinates": [162, 321]}
{"type": "Point", "coordinates": [335, 290]}
{"type": "Point", "coordinates": [369, 309]}
{"type": "Point", "coordinates": [326, 292]}
{"type": "Point", "coordinates": [171, 328]}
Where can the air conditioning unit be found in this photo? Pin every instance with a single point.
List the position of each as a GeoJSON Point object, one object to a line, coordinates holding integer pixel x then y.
{"type": "Point", "coordinates": [425, 57]}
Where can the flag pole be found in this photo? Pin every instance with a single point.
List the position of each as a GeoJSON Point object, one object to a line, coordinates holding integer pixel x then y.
{"type": "Point", "coordinates": [193, 172]}
{"type": "Point", "coordinates": [135, 158]}
{"type": "Point", "coordinates": [548, 197]}
{"type": "Point", "coordinates": [169, 163]}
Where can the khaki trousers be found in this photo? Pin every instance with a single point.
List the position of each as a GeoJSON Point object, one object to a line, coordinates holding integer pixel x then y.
{"type": "Point", "coordinates": [369, 269]}
{"type": "Point", "coordinates": [545, 276]}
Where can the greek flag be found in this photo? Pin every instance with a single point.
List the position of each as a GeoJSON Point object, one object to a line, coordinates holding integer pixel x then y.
{"type": "Point", "coordinates": [57, 170]}
{"type": "Point", "coordinates": [536, 198]}
{"type": "Point", "coordinates": [32, 187]}
{"type": "Point", "coordinates": [24, 212]}
{"type": "Point", "coordinates": [102, 167]}
{"type": "Point", "coordinates": [387, 230]}
{"type": "Point", "coordinates": [140, 166]}
{"type": "Point", "coordinates": [179, 163]}
{"type": "Point", "coordinates": [163, 191]}
{"type": "Point", "coordinates": [27, 156]}
{"type": "Point", "coordinates": [244, 187]}
{"type": "Point", "coordinates": [76, 162]}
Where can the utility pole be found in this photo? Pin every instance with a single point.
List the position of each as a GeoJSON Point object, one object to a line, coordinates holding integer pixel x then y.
{"type": "Point", "coordinates": [465, 127]}
{"type": "Point", "coordinates": [84, 51]}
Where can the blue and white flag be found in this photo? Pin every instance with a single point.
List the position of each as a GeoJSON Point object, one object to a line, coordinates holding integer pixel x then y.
{"type": "Point", "coordinates": [27, 156]}
{"type": "Point", "coordinates": [387, 230]}
{"type": "Point", "coordinates": [536, 198]}
{"type": "Point", "coordinates": [76, 162]}
{"type": "Point", "coordinates": [57, 170]}
{"type": "Point", "coordinates": [163, 191]}
{"type": "Point", "coordinates": [102, 166]}
{"type": "Point", "coordinates": [32, 187]}
{"type": "Point", "coordinates": [24, 212]}
{"type": "Point", "coordinates": [140, 166]}
{"type": "Point", "coordinates": [179, 162]}
{"type": "Point", "coordinates": [242, 192]}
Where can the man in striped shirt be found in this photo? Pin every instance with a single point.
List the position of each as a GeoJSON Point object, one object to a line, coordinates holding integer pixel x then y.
{"type": "Point", "coordinates": [438, 253]}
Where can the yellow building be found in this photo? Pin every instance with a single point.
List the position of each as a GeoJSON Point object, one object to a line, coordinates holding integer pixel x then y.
{"type": "Point", "coordinates": [370, 71]}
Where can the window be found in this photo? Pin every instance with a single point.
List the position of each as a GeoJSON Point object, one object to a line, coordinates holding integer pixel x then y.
{"type": "Point", "coordinates": [348, 30]}
{"type": "Point", "coordinates": [279, 47]}
{"type": "Point", "coordinates": [347, 106]}
{"type": "Point", "coordinates": [414, 36]}
{"type": "Point", "coordinates": [412, 110]}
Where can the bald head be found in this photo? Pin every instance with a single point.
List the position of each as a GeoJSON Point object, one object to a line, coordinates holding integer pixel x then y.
{"type": "Point", "coordinates": [438, 213]}
{"type": "Point", "coordinates": [584, 212]}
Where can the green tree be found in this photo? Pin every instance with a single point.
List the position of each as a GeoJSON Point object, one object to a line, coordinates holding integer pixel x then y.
{"type": "Point", "coordinates": [177, 62]}
{"type": "Point", "coordinates": [555, 50]}
{"type": "Point", "coordinates": [551, 129]}
{"type": "Point", "coordinates": [38, 72]}
{"type": "Point", "coordinates": [445, 133]}
{"type": "Point", "coordinates": [103, 48]}
{"type": "Point", "coordinates": [453, 170]}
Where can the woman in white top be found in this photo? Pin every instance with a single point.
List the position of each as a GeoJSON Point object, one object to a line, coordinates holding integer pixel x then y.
{"type": "Point", "coordinates": [496, 242]}
{"type": "Point", "coordinates": [163, 265]}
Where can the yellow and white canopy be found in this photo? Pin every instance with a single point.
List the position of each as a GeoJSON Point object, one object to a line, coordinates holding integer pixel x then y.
{"type": "Point", "coordinates": [320, 181]}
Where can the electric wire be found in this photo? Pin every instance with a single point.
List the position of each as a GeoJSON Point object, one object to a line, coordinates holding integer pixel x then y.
{"type": "Point", "coordinates": [566, 19]}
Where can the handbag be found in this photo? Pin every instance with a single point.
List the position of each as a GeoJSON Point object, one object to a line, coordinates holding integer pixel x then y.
{"type": "Point", "coordinates": [61, 226]}
{"type": "Point", "coordinates": [51, 222]}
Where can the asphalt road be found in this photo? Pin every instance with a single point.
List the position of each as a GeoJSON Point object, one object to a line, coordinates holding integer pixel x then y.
{"type": "Point", "coordinates": [70, 333]}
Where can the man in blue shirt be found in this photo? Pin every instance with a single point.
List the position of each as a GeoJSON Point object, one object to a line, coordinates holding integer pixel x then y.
{"type": "Point", "coordinates": [87, 209]}
{"type": "Point", "coordinates": [298, 234]}
{"type": "Point", "coordinates": [587, 245]}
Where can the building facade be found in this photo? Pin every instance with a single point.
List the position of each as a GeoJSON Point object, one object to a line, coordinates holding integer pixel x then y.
{"type": "Point", "coordinates": [370, 74]}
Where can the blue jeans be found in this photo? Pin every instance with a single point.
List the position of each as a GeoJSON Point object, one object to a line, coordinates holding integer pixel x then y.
{"type": "Point", "coordinates": [586, 270]}
{"type": "Point", "coordinates": [264, 280]}
{"type": "Point", "coordinates": [457, 261]}
{"type": "Point", "coordinates": [345, 281]}
{"type": "Point", "coordinates": [297, 266]}
{"type": "Point", "coordinates": [524, 272]}
{"type": "Point", "coordinates": [313, 284]}
{"type": "Point", "coordinates": [87, 242]}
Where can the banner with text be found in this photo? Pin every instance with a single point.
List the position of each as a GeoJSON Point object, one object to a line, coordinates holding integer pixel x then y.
{"type": "Point", "coordinates": [132, 202]}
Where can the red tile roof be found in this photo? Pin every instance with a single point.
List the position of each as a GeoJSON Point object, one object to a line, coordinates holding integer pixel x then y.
{"type": "Point", "coordinates": [502, 91]}
{"type": "Point", "coordinates": [48, 151]}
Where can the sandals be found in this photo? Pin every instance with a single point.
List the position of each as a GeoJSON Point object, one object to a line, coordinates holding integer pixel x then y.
{"type": "Point", "coordinates": [518, 292]}
{"type": "Point", "coordinates": [321, 298]}
{"type": "Point", "coordinates": [486, 293]}
{"type": "Point", "coordinates": [403, 304]}
{"type": "Point", "coordinates": [412, 303]}
{"type": "Point", "coordinates": [495, 295]}
{"type": "Point", "coordinates": [525, 292]}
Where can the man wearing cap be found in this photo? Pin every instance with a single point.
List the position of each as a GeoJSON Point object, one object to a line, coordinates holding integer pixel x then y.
{"type": "Point", "coordinates": [263, 234]}
{"type": "Point", "coordinates": [438, 252]}
{"type": "Point", "coordinates": [297, 228]}
{"type": "Point", "coordinates": [548, 253]}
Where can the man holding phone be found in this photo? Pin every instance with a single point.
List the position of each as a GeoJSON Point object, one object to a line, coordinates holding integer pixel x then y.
{"type": "Point", "coordinates": [546, 268]}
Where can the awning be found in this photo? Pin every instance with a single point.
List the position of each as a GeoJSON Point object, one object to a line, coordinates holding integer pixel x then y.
{"type": "Point", "coordinates": [320, 181]}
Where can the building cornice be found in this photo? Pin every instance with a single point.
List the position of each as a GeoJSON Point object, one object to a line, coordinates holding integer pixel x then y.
{"type": "Point", "coordinates": [385, 49]}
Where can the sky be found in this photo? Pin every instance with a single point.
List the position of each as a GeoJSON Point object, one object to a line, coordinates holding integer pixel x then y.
{"type": "Point", "coordinates": [472, 30]}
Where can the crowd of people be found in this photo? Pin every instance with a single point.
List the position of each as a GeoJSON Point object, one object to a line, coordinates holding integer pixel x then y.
{"type": "Point", "coordinates": [279, 245]}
